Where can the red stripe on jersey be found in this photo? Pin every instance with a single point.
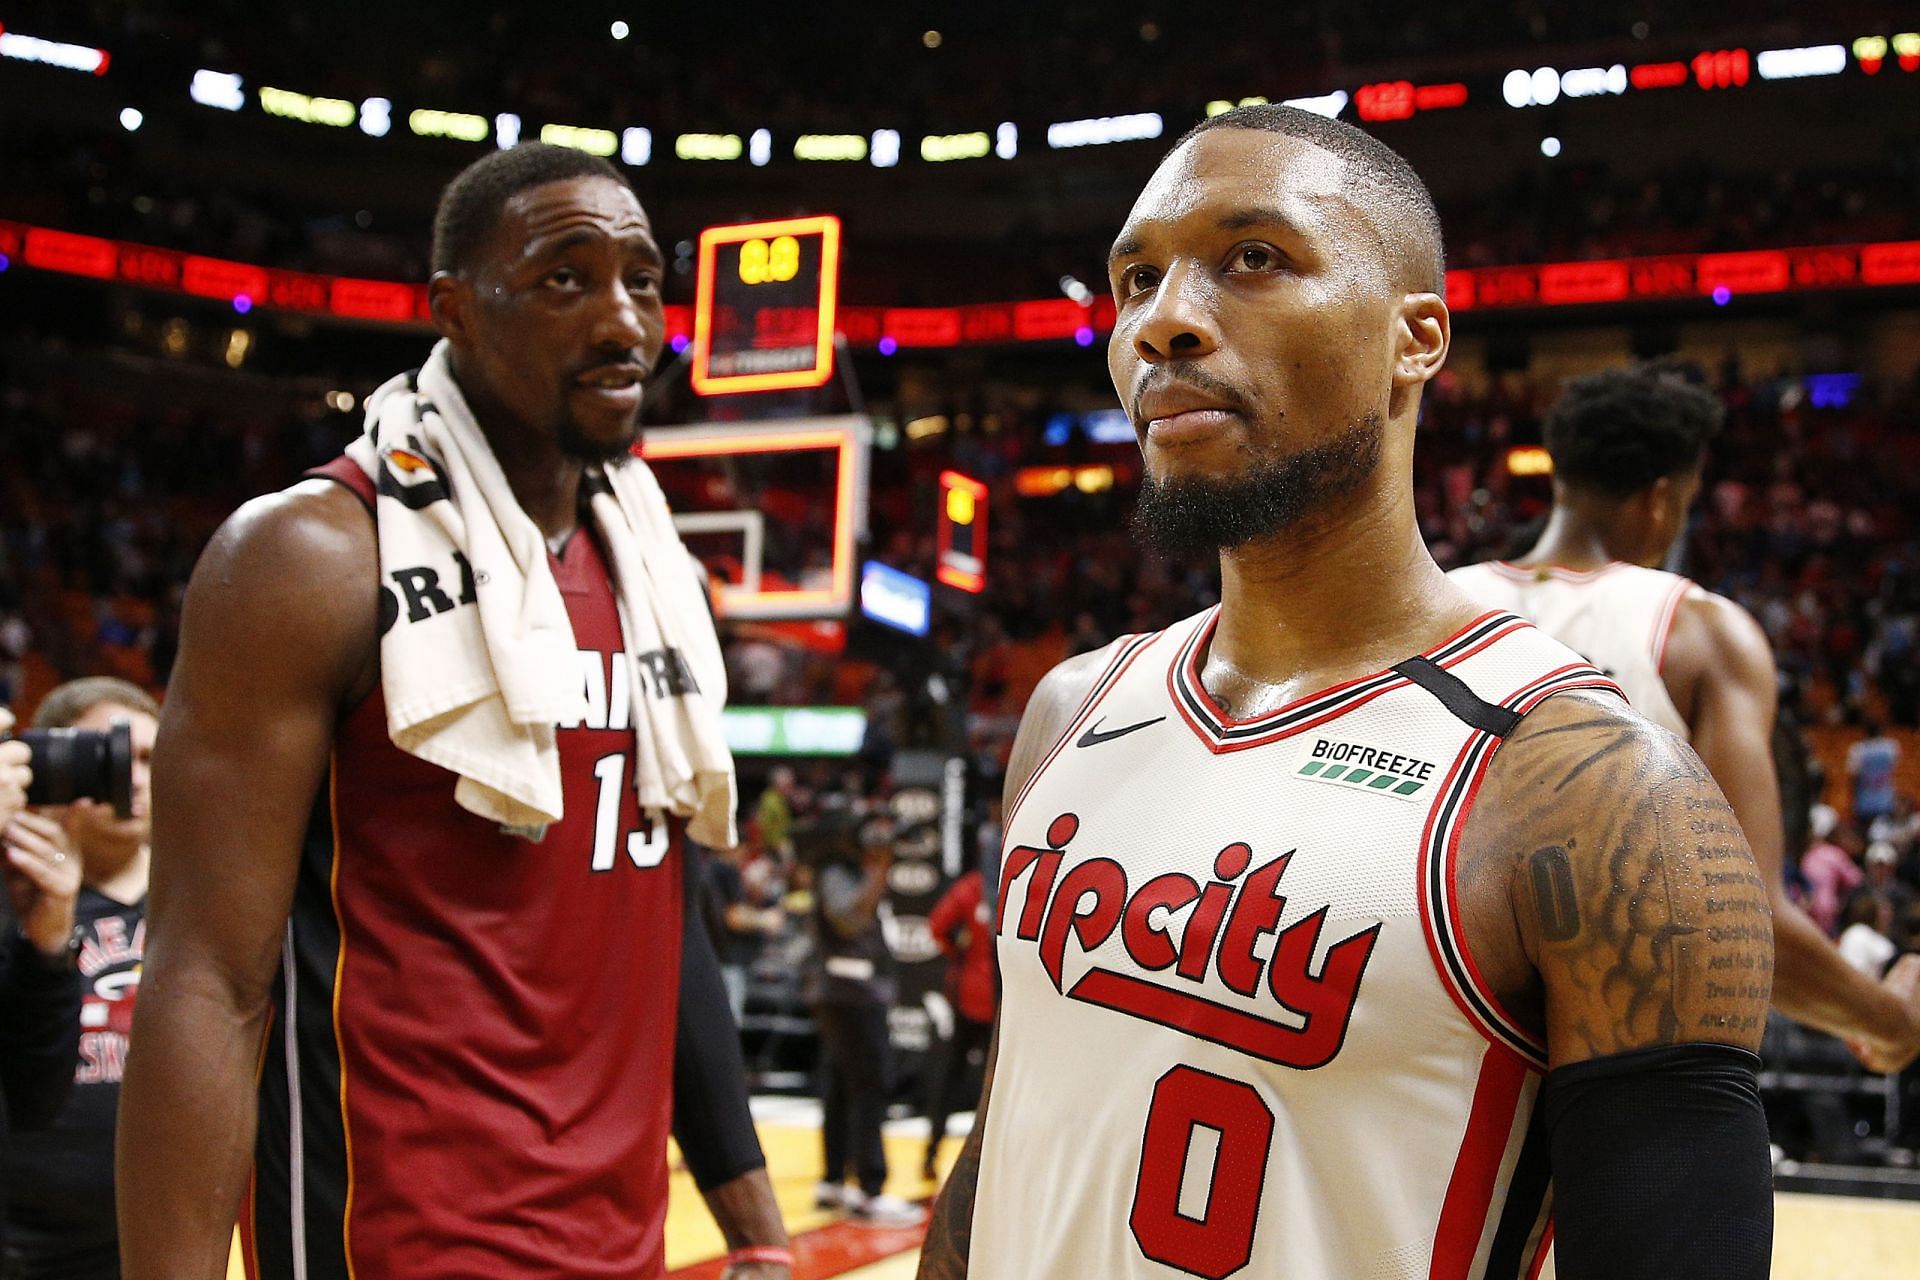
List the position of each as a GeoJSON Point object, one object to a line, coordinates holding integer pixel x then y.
{"type": "Point", "coordinates": [1463, 1215]}
{"type": "Point", "coordinates": [1110, 677]}
{"type": "Point", "coordinates": [1663, 622]}
{"type": "Point", "coordinates": [1540, 1257]}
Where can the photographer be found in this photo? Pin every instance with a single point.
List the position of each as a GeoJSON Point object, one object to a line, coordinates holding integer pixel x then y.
{"type": "Point", "coordinates": [60, 1182]}
{"type": "Point", "coordinates": [39, 986]}
{"type": "Point", "coordinates": [853, 987]}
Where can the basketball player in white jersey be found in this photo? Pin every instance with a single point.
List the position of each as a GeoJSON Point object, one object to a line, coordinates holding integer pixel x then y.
{"type": "Point", "coordinates": [1345, 923]}
{"type": "Point", "coordinates": [1627, 450]}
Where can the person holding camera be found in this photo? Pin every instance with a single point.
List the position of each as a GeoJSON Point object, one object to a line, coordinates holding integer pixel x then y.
{"type": "Point", "coordinates": [60, 1206]}
{"type": "Point", "coordinates": [853, 987]}
{"type": "Point", "coordinates": [39, 986]}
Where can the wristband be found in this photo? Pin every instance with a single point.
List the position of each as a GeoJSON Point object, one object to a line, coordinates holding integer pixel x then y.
{"type": "Point", "coordinates": [761, 1253]}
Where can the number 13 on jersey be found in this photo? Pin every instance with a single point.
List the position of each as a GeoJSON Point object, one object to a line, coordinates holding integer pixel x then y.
{"type": "Point", "coordinates": [646, 847]}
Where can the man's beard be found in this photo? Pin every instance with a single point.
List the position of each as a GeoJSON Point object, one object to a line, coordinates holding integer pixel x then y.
{"type": "Point", "coordinates": [1192, 517]}
{"type": "Point", "coordinates": [577, 445]}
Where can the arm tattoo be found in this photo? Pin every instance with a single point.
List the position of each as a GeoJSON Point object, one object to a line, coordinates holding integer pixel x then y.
{"type": "Point", "coordinates": [1640, 905]}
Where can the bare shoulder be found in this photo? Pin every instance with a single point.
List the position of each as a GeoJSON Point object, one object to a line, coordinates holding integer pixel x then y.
{"type": "Point", "coordinates": [1714, 639]}
{"type": "Point", "coordinates": [289, 581]}
{"type": "Point", "coordinates": [1627, 884]}
{"type": "Point", "coordinates": [1050, 709]}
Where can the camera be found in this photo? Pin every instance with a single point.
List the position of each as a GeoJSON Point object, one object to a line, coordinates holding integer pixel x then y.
{"type": "Point", "coordinates": [81, 764]}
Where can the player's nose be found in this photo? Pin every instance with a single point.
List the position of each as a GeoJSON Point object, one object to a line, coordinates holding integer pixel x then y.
{"type": "Point", "coordinates": [1179, 324]}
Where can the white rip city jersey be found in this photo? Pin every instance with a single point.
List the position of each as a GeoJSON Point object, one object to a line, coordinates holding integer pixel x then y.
{"type": "Point", "coordinates": [1617, 617]}
{"type": "Point", "coordinates": [1240, 1035]}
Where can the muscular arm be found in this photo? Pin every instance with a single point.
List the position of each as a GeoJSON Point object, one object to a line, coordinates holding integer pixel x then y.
{"type": "Point", "coordinates": [279, 629]}
{"type": "Point", "coordinates": [1641, 947]}
{"type": "Point", "coordinates": [950, 1235]}
{"type": "Point", "coordinates": [1719, 660]}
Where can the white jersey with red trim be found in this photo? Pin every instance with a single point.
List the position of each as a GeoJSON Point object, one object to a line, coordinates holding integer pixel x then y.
{"type": "Point", "coordinates": [1240, 1035]}
{"type": "Point", "coordinates": [1617, 617]}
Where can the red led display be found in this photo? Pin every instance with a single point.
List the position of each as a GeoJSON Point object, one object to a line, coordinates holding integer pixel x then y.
{"type": "Point", "coordinates": [1721, 68]}
{"type": "Point", "coordinates": [1658, 75]}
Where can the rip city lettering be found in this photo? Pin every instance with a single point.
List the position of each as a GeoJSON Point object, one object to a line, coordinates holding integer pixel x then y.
{"type": "Point", "coordinates": [1088, 902]}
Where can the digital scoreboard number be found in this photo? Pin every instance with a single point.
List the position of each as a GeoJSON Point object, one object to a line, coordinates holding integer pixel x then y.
{"type": "Point", "coordinates": [764, 308]}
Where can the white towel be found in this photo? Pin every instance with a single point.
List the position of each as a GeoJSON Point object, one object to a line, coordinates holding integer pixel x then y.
{"type": "Point", "coordinates": [479, 691]}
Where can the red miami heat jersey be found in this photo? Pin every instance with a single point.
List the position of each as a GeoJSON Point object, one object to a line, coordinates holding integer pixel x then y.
{"type": "Point", "coordinates": [468, 1072]}
{"type": "Point", "coordinates": [1240, 1032]}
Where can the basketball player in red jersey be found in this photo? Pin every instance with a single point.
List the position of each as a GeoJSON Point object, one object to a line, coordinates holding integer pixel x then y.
{"type": "Point", "coordinates": [1628, 447]}
{"type": "Point", "coordinates": [413, 1043]}
{"type": "Point", "coordinates": [1279, 291]}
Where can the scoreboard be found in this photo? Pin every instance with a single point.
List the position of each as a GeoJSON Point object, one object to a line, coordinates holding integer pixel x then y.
{"type": "Point", "coordinates": [764, 305]}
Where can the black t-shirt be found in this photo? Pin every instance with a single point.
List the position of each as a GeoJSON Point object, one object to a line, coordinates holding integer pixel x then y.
{"type": "Point", "coordinates": [60, 1180]}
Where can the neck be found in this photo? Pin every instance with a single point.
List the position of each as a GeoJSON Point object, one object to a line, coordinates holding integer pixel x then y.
{"type": "Point", "coordinates": [1576, 539]}
{"type": "Point", "coordinates": [1339, 596]}
{"type": "Point", "coordinates": [118, 872]}
{"type": "Point", "coordinates": [545, 481]}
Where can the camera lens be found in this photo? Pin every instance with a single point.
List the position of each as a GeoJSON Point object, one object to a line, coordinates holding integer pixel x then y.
{"type": "Point", "coordinates": [82, 764]}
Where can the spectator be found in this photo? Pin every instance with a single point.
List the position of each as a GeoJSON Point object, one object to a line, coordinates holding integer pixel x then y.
{"type": "Point", "coordinates": [1829, 870]}
{"type": "Point", "coordinates": [1863, 940]}
{"type": "Point", "coordinates": [39, 985]}
{"type": "Point", "coordinates": [1870, 764]}
{"type": "Point", "coordinates": [60, 1182]}
{"type": "Point", "coordinates": [738, 923]}
{"type": "Point", "coordinates": [962, 927]}
{"type": "Point", "coordinates": [853, 989]}
{"type": "Point", "coordinates": [774, 813]}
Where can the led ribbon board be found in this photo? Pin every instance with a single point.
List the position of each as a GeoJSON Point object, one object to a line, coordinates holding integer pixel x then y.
{"type": "Point", "coordinates": [763, 316]}
{"type": "Point", "coordinates": [850, 438]}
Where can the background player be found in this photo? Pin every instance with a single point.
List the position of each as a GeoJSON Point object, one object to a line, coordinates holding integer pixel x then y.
{"type": "Point", "coordinates": [467, 1035]}
{"type": "Point", "coordinates": [1628, 448]}
{"type": "Point", "coordinates": [1278, 316]}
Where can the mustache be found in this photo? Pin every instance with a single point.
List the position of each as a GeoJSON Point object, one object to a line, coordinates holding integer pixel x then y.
{"type": "Point", "coordinates": [1194, 379]}
{"type": "Point", "coordinates": [616, 360]}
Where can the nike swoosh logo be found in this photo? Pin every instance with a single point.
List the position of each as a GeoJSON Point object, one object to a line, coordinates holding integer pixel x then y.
{"type": "Point", "coordinates": [1093, 737]}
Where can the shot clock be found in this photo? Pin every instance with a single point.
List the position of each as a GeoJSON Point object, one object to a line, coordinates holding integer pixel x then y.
{"type": "Point", "coordinates": [763, 316]}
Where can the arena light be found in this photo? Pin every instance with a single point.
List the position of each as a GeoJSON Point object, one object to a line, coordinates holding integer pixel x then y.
{"type": "Point", "coordinates": [1658, 75]}
{"type": "Point", "coordinates": [1329, 105]}
{"type": "Point", "coordinates": [1871, 52]}
{"type": "Point", "coordinates": [218, 89]}
{"type": "Point", "coordinates": [708, 146]}
{"type": "Point", "coordinates": [1006, 140]}
{"type": "Point", "coordinates": [1592, 82]}
{"type": "Point", "coordinates": [830, 147]}
{"type": "Point", "coordinates": [1103, 130]}
{"type": "Point", "coordinates": [939, 148]}
{"type": "Point", "coordinates": [335, 113]}
{"type": "Point", "coordinates": [1385, 100]}
{"type": "Point", "coordinates": [1220, 106]}
{"type": "Point", "coordinates": [1906, 48]}
{"type": "Point", "coordinates": [54, 53]}
{"type": "Point", "coordinates": [506, 130]}
{"type": "Point", "coordinates": [1529, 460]}
{"type": "Point", "coordinates": [1721, 68]}
{"type": "Point", "coordinates": [376, 117]}
{"type": "Point", "coordinates": [131, 118]}
{"type": "Point", "coordinates": [636, 146]}
{"type": "Point", "coordinates": [886, 148]}
{"type": "Point", "coordinates": [1537, 88]}
{"type": "Point", "coordinates": [760, 148]}
{"type": "Point", "coordinates": [595, 142]}
{"type": "Point", "coordinates": [451, 124]}
{"type": "Point", "coordinates": [1795, 64]}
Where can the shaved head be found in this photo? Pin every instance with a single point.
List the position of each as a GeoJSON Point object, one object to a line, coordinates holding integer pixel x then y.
{"type": "Point", "coordinates": [1382, 183]}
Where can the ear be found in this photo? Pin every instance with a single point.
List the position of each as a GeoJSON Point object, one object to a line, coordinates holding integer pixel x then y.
{"type": "Point", "coordinates": [449, 298]}
{"type": "Point", "coordinates": [1423, 332]}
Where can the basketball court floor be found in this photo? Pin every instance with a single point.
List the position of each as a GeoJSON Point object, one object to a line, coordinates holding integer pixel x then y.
{"type": "Point", "coordinates": [1817, 1237]}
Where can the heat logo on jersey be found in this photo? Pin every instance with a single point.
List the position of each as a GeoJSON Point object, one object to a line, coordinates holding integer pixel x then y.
{"type": "Point", "coordinates": [1092, 900]}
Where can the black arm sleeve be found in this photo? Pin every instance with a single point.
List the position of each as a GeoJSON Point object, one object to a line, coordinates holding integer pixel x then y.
{"type": "Point", "coordinates": [40, 1014]}
{"type": "Point", "coordinates": [1660, 1166]}
{"type": "Point", "coordinates": [711, 1120]}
